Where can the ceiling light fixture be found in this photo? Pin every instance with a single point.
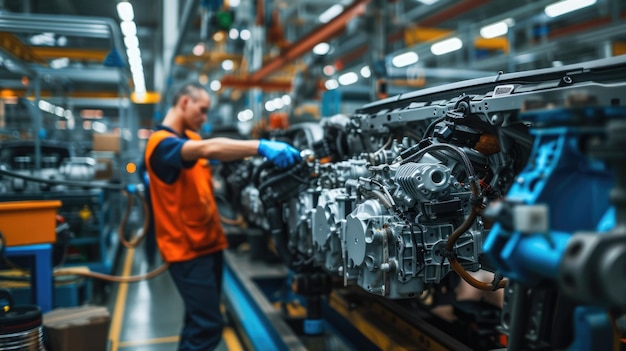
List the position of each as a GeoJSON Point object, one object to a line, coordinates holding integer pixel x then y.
{"type": "Point", "coordinates": [227, 65]}
{"type": "Point", "coordinates": [286, 100]}
{"type": "Point", "coordinates": [129, 29]}
{"type": "Point", "coordinates": [330, 13]}
{"type": "Point", "coordinates": [446, 46]}
{"type": "Point", "coordinates": [269, 106]}
{"type": "Point", "coordinates": [365, 72]}
{"type": "Point", "coordinates": [321, 49]}
{"type": "Point", "coordinates": [331, 84]}
{"type": "Point", "coordinates": [215, 85]}
{"type": "Point", "coordinates": [405, 59]}
{"type": "Point", "coordinates": [278, 103]}
{"type": "Point", "coordinates": [428, 2]}
{"type": "Point", "coordinates": [131, 41]}
{"type": "Point", "coordinates": [566, 6]}
{"type": "Point", "coordinates": [233, 33]}
{"type": "Point", "coordinates": [125, 11]}
{"type": "Point", "coordinates": [245, 34]}
{"type": "Point", "coordinates": [245, 115]}
{"type": "Point", "coordinates": [234, 3]}
{"type": "Point", "coordinates": [348, 78]}
{"type": "Point", "coordinates": [198, 50]}
{"type": "Point", "coordinates": [496, 29]}
{"type": "Point", "coordinates": [61, 62]}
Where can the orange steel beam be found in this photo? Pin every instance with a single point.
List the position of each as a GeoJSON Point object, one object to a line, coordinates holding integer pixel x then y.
{"type": "Point", "coordinates": [619, 48]}
{"type": "Point", "coordinates": [416, 35]}
{"type": "Point", "coordinates": [74, 94]}
{"type": "Point", "coordinates": [578, 27]}
{"type": "Point", "coordinates": [316, 36]}
{"type": "Point", "coordinates": [207, 56]}
{"type": "Point", "coordinates": [245, 84]}
{"type": "Point", "coordinates": [14, 45]}
{"type": "Point", "coordinates": [500, 43]}
{"type": "Point", "coordinates": [70, 53]}
{"type": "Point", "coordinates": [452, 12]}
{"type": "Point", "coordinates": [446, 14]}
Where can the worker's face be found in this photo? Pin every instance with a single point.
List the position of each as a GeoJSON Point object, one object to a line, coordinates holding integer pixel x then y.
{"type": "Point", "coordinates": [196, 109]}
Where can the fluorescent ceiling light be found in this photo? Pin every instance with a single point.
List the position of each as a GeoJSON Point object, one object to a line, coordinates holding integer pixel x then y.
{"type": "Point", "coordinates": [125, 11]}
{"type": "Point", "coordinates": [365, 72]}
{"type": "Point", "coordinates": [278, 103]}
{"type": "Point", "coordinates": [136, 68]}
{"type": "Point", "coordinates": [134, 61]}
{"type": "Point", "coordinates": [286, 100]}
{"type": "Point", "coordinates": [331, 84]}
{"type": "Point", "coordinates": [269, 106]}
{"type": "Point", "coordinates": [245, 34]}
{"type": "Point", "coordinates": [566, 6]}
{"type": "Point", "coordinates": [133, 52]}
{"type": "Point", "coordinates": [138, 75]}
{"type": "Point", "coordinates": [428, 2]}
{"type": "Point", "coordinates": [234, 3]}
{"type": "Point", "coordinates": [198, 50]}
{"type": "Point", "coordinates": [99, 127]}
{"type": "Point", "coordinates": [131, 41]}
{"type": "Point", "coordinates": [321, 48]}
{"type": "Point", "coordinates": [227, 65]}
{"type": "Point", "coordinates": [233, 33]}
{"type": "Point", "coordinates": [348, 78]}
{"type": "Point", "coordinates": [330, 13]}
{"type": "Point", "coordinates": [61, 62]}
{"type": "Point", "coordinates": [245, 115]}
{"type": "Point", "coordinates": [215, 85]}
{"type": "Point", "coordinates": [59, 111]}
{"type": "Point", "coordinates": [446, 46]}
{"type": "Point", "coordinates": [405, 59]}
{"type": "Point", "coordinates": [129, 29]}
{"type": "Point", "coordinates": [496, 29]}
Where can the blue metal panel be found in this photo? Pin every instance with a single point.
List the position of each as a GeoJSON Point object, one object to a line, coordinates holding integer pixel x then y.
{"type": "Point", "coordinates": [41, 275]}
{"type": "Point", "coordinates": [254, 322]}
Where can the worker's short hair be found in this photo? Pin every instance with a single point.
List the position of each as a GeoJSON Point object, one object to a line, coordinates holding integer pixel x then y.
{"type": "Point", "coordinates": [188, 89]}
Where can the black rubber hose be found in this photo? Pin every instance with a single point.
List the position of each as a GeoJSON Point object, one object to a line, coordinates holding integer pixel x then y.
{"type": "Point", "coordinates": [431, 127]}
{"type": "Point", "coordinates": [62, 182]}
{"type": "Point", "coordinates": [277, 233]}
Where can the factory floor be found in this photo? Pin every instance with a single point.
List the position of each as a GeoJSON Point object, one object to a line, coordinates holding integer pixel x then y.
{"type": "Point", "coordinates": [148, 315]}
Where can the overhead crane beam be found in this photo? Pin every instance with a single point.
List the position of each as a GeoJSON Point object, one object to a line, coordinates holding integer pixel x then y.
{"type": "Point", "coordinates": [322, 33]}
{"type": "Point", "coordinates": [244, 84]}
{"type": "Point", "coordinates": [70, 53]}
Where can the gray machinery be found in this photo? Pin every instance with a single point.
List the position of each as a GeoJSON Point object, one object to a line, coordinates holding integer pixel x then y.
{"type": "Point", "coordinates": [519, 174]}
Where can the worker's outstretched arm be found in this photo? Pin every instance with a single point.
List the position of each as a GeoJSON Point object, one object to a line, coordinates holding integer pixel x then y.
{"type": "Point", "coordinates": [226, 149]}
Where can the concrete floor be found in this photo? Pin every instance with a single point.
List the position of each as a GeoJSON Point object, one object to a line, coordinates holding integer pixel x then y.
{"type": "Point", "coordinates": [148, 315]}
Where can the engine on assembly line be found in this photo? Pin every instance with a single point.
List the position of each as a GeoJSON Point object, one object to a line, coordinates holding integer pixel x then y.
{"type": "Point", "coordinates": [378, 205]}
{"type": "Point", "coordinates": [520, 174]}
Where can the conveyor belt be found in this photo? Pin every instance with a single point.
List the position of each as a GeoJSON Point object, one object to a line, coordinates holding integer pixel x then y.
{"type": "Point", "coordinates": [353, 318]}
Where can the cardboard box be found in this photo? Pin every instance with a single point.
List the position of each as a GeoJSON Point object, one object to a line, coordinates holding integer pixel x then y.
{"type": "Point", "coordinates": [104, 168]}
{"type": "Point", "coordinates": [29, 222]}
{"type": "Point", "coordinates": [106, 142]}
{"type": "Point", "coordinates": [77, 328]}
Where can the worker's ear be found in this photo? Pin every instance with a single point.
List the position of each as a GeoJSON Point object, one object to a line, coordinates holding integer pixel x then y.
{"type": "Point", "coordinates": [184, 101]}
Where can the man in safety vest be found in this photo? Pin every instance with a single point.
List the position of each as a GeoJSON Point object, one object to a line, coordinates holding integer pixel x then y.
{"type": "Point", "coordinates": [186, 221]}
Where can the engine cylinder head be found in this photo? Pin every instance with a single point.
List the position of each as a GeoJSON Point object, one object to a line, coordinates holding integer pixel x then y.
{"type": "Point", "coordinates": [423, 180]}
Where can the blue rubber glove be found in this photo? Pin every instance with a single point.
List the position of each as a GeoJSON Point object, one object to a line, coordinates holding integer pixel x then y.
{"type": "Point", "coordinates": [279, 153]}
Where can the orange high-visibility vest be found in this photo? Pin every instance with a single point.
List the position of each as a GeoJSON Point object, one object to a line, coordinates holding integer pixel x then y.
{"type": "Point", "coordinates": [186, 220]}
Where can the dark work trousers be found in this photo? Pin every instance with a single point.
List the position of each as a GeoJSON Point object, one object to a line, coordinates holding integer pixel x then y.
{"type": "Point", "coordinates": [199, 282]}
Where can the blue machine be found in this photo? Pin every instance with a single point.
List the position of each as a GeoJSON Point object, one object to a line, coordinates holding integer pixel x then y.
{"type": "Point", "coordinates": [537, 242]}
